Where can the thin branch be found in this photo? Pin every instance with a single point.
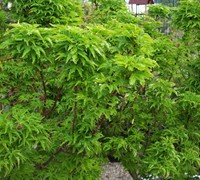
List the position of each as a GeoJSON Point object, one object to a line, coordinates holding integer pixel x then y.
{"type": "Point", "coordinates": [45, 93]}
{"type": "Point", "coordinates": [121, 111]}
{"type": "Point", "coordinates": [99, 122]}
{"type": "Point", "coordinates": [74, 109]}
{"type": "Point", "coordinates": [8, 59]}
{"type": "Point", "coordinates": [74, 116]}
{"type": "Point", "coordinates": [51, 158]}
{"type": "Point", "coordinates": [55, 102]}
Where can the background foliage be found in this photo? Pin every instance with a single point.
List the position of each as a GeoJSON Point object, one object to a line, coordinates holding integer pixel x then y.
{"type": "Point", "coordinates": [83, 85]}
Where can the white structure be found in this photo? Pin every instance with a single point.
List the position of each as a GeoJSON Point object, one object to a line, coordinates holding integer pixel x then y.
{"type": "Point", "coordinates": [136, 9]}
{"type": "Point", "coordinates": [138, 6]}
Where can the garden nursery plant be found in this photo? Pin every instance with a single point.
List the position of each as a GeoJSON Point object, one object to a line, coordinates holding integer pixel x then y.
{"type": "Point", "coordinates": [82, 84]}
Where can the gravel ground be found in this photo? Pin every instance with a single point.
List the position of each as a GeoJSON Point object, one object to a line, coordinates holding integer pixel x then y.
{"type": "Point", "coordinates": [115, 171]}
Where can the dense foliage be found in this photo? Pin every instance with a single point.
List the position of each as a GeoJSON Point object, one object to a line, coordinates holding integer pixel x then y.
{"type": "Point", "coordinates": [84, 84]}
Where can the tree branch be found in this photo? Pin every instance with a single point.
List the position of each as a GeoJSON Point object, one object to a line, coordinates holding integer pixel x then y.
{"type": "Point", "coordinates": [8, 59]}
{"type": "Point", "coordinates": [44, 98]}
{"type": "Point", "coordinates": [55, 102]}
{"type": "Point", "coordinates": [99, 122]}
{"type": "Point", "coordinates": [121, 111]}
{"type": "Point", "coordinates": [74, 109]}
{"type": "Point", "coordinates": [51, 158]}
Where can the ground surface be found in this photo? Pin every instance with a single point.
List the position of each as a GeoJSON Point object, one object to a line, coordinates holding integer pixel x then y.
{"type": "Point", "coordinates": [115, 171]}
